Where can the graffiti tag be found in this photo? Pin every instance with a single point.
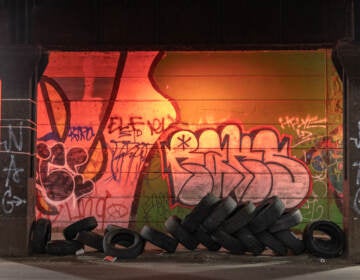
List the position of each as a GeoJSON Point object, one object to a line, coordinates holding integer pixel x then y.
{"type": "Point", "coordinates": [302, 127]}
{"type": "Point", "coordinates": [251, 165]}
{"type": "Point", "coordinates": [81, 133]}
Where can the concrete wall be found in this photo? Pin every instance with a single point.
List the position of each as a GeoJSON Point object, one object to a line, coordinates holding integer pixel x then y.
{"type": "Point", "coordinates": [132, 137]}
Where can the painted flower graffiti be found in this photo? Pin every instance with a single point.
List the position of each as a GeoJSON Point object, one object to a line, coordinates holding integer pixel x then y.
{"type": "Point", "coordinates": [58, 173]}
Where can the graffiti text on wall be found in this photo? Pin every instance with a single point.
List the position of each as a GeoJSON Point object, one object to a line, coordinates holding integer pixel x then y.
{"type": "Point", "coordinates": [81, 133]}
{"type": "Point", "coordinates": [127, 145]}
{"type": "Point", "coordinates": [105, 209]}
{"type": "Point", "coordinates": [303, 127]}
{"type": "Point", "coordinates": [226, 160]}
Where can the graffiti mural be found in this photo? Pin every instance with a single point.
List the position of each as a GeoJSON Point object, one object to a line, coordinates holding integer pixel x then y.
{"type": "Point", "coordinates": [252, 166]}
{"type": "Point", "coordinates": [130, 137]}
{"type": "Point", "coordinates": [94, 144]}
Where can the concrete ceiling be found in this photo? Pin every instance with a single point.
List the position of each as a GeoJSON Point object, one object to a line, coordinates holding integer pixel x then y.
{"type": "Point", "coordinates": [175, 24]}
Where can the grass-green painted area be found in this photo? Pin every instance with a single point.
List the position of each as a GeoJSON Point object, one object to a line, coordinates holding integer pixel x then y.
{"type": "Point", "coordinates": [154, 201]}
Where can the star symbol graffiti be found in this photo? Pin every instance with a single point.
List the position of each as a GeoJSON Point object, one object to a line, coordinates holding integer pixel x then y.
{"type": "Point", "coordinates": [184, 142]}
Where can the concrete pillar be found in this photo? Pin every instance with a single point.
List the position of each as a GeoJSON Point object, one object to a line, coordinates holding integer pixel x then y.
{"type": "Point", "coordinates": [20, 69]}
{"type": "Point", "coordinates": [346, 56]}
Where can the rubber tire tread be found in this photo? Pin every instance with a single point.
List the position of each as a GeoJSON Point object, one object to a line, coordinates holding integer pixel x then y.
{"type": "Point", "coordinates": [198, 214]}
{"type": "Point", "coordinates": [219, 214]}
{"type": "Point", "coordinates": [241, 216]}
{"type": "Point", "coordinates": [40, 235]}
{"type": "Point", "coordinates": [287, 221]}
{"type": "Point", "coordinates": [250, 241]}
{"type": "Point", "coordinates": [272, 243]}
{"type": "Point", "coordinates": [63, 247]}
{"type": "Point", "coordinates": [289, 239]}
{"type": "Point", "coordinates": [111, 227]}
{"type": "Point", "coordinates": [229, 242]}
{"type": "Point", "coordinates": [324, 248]}
{"type": "Point", "coordinates": [91, 239]}
{"type": "Point", "coordinates": [266, 214]}
{"type": "Point", "coordinates": [86, 224]}
{"type": "Point", "coordinates": [124, 240]}
{"type": "Point", "coordinates": [205, 239]}
{"type": "Point", "coordinates": [131, 252]}
{"type": "Point", "coordinates": [159, 239]}
{"type": "Point", "coordinates": [175, 228]}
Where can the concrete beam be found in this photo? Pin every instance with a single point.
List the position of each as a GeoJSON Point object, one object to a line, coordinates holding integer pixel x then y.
{"type": "Point", "coordinates": [346, 56]}
{"type": "Point", "coordinates": [20, 69]}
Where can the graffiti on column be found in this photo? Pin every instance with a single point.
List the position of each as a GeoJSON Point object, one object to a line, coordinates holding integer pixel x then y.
{"type": "Point", "coordinates": [12, 146]}
{"type": "Point", "coordinates": [356, 202]}
{"type": "Point", "coordinates": [356, 140]}
{"type": "Point", "coordinates": [251, 165]}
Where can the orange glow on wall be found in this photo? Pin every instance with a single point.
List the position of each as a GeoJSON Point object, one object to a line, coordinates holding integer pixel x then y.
{"type": "Point", "coordinates": [116, 129]}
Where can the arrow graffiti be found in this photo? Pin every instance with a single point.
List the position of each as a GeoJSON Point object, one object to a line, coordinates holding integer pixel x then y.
{"type": "Point", "coordinates": [13, 173]}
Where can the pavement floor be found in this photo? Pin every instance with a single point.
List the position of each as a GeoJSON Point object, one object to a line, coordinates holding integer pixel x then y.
{"type": "Point", "coordinates": [200, 264]}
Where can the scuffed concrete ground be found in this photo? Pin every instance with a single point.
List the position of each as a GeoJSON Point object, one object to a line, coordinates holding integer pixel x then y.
{"type": "Point", "coordinates": [155, 264]}
{"type": "Point", "coordinates": [183, 264]}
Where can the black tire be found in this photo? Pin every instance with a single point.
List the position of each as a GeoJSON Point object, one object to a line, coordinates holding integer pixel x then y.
{"type": "Point", "coordinates": [91, 239]}
{"type": "Point", "coordinates": [289, 239]}
{"type": "Point", "coordinates": [239, 218]}
{"type": "Point", "coordinates": [198, 214]}
{"type": "Point", "coordinates": [205, 239]}
{"type": "Point", "coordinates": [131, 252]}
{"type": "Point", "coordinates": [125, 241]}
{"type": "Point", "coordinates": [250, 241]}
{"type": "Point", "coordinates": [321, 247]}
{"type": "Point", "coordinates": [63, 247]}
{"type": "Point", "coordinates": [40, 235]}
{"type": "Point", "coordinates": [86, 224]}
{"type": "Point", "coordinates": [229, 242]}
{"type": "Point", "coordinates": [159, 239]}
{"type": "Point", "coordinates": [175, 228]}
{"type": "Point", "coordinates": [266, 214]}
{"type": "Point", "coordinates": [111, 227]}
{"type": "Point", "coordinates": [272, 243]}
{"type": "Point", "coordinates": [219, 214]}
{"type": "Point", "coordinates": [287, 221]}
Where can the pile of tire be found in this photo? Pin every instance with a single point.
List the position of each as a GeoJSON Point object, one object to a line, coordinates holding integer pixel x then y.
{"type": "Point", "coordinates": [214, 222]}
{"type": "Point", "coordinates": [117, 241]}
{"type": "Point", "coordinates": [238, 227]}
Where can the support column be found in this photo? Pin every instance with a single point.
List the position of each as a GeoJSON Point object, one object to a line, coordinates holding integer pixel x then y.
{"type": "Point", "coordinates": [346, 56]}
{"type": "Point", "coordinates": [20, 69]}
